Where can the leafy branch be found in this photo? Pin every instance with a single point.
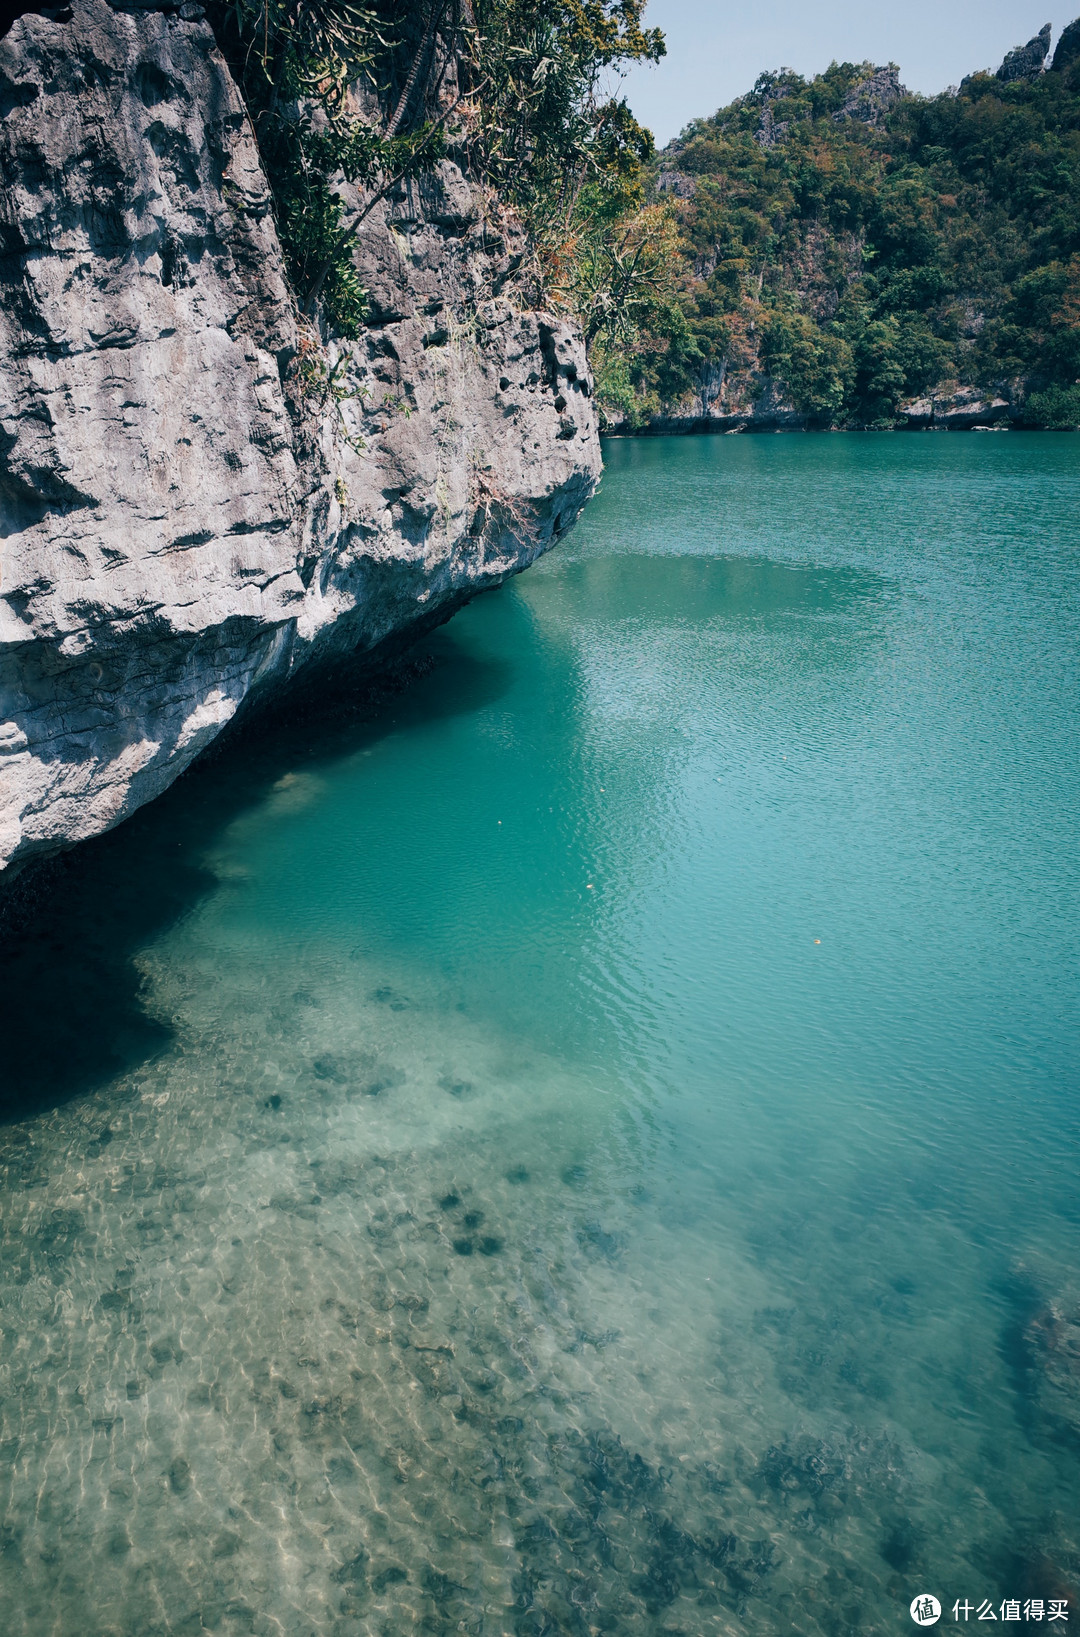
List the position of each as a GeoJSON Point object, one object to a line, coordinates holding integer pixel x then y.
{"type": "Point", "coordinates": [521, 93]}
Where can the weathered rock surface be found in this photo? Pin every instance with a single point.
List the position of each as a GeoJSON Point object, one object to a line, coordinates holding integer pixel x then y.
{"type": "Point", "coordinates": [1025, 62]}
{"type": "Point", "coordinates": [955, 408]}
{"type": "Point", "coordinates": [197, 499]}
{"type": "Point", "coordinates": [871, 99]}
{"type": "Point", "coordinates": [676, 182]}
{"type": "Point", "coordinates": [1068, 47]}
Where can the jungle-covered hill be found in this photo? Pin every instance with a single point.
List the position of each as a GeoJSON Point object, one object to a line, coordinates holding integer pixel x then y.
{"type": "Point", "coordinates": [841, 248]}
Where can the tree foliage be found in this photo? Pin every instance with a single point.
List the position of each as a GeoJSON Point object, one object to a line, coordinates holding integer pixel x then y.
{"type": "Point", "coordinates": [863, 260]}
{"type": "Point", "coordinates": [520, 92]}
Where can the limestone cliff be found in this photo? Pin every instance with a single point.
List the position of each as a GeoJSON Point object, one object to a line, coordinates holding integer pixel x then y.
{"type": "Point", "coordinates": [196, 496]}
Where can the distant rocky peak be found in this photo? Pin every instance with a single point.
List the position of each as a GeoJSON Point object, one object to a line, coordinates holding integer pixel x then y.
{"type": "Point", "coordinates": [1068, 47]}
{"type": "Point", "coordinates": [871, 98]}
{"type": "Point", "coordinates": [1025, 62]}
{"type": "Point", "coordinates": [771, 88]}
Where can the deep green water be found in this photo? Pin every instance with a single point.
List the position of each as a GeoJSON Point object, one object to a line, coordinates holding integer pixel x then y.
{"type": "Point", "coordinates": [577, 1152]}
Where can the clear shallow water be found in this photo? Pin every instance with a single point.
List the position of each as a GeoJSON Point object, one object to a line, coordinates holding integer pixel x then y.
{"type": "Point", "coordinates": [448, 1185]}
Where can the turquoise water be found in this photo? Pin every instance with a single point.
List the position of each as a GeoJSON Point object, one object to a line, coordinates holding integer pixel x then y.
{"type": "Point", "coordinates": [591, 1147]}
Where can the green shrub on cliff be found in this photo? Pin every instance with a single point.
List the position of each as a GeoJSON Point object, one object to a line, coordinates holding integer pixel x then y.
{"type": "Point", "coordinates": [372, 94]}
{"type": "Point", "coordinates": [1057, 409]}
{"type": "Point", "coordinates": [817, 367]}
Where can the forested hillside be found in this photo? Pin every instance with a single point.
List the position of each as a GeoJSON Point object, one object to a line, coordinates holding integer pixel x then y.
{"type": "Point", "coordinates": [843, 248]}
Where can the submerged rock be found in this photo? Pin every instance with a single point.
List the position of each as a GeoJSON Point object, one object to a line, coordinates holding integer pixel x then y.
{"type": "Point", "coordinates": [1052, 1337]}
{"type": "Point", "coordinates": [188, 512]}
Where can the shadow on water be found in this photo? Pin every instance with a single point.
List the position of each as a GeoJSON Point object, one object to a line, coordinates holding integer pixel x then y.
{"type": "Point", "coordinates": [71, 1012]}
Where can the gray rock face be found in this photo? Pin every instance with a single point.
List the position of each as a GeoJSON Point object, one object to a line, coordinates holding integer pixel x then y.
{"type": "Point", "coordinates": [771, 130]}
{"type": "Point", "coordinates": [1025, 62]}
{"type": "Point", "coordinates": [955, 408]}
{"type": "Point", "coordinates": [1068, 48]}
{"type": "Point", "coordinates": [871, 99]}
{"type": "Point", "coordinates": [676, 182]}
{"type": "Point", "coordinates": [196, 497]}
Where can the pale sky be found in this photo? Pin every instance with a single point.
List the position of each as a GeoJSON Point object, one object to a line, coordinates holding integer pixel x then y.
{"type": "Point", "coordinates": [717, 48]}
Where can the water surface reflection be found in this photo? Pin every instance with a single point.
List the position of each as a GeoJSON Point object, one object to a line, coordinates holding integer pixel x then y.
{"type": "Point", "coordinates": [591, 1147]}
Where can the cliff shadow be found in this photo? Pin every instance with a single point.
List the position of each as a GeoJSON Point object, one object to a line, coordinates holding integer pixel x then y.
{"type": "Point", "coordinates": [71, 1011]}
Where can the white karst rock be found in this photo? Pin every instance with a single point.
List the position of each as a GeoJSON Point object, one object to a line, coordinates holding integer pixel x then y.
{"type": "Point", "coordinates": [188, 511]}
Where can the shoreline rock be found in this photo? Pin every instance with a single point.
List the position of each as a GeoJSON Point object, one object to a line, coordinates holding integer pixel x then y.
{"type": "Point", "coordinates": [949, 408]}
